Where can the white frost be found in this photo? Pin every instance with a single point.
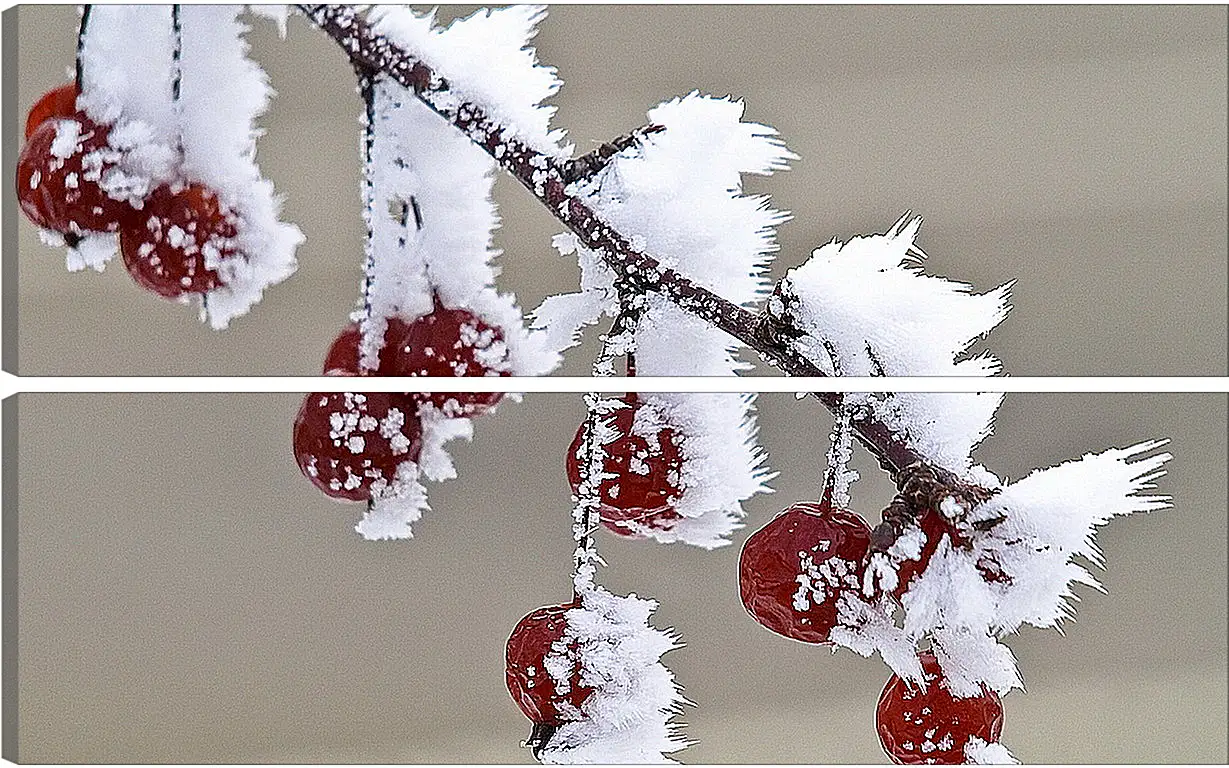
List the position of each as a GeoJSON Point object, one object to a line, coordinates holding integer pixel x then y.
{"type": "Point", "coordinates": [978, 752]}
{"type": "Point", "coordinates": [678, 196]}
{"type": "Point", "coordinates": [627, 718]}
{"type": "Point", "coordinates": [1021, 570]}
{"type": "Point", "coordinates": [395, 506]}
{"type": "Point", "coordinates": [486, 60]}
{"type": "Point", "coordinates": [722, 465]}
{"type": "Point", "coordinates": [222, 92]}
{"type": "Point", "coordinates": [432, 219]}
{"type": "Point", "coordinates": [438, 429]}
{"type": "Point", "coordinates": [868, 302]}
{"type": "Point", "coordinates": [207, 135]}
{"type": "Point", "coordinates": [94, 250]}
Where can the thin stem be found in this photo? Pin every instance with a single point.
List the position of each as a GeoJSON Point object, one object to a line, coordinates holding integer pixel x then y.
{"type": "Point", "coordinates": [85, 23]}
{"type": "Point", "coordinates": [176, 54]}
{"type": "Point", "coordinates": [589, 165]}
{"type": "Point", "coordinates": [586, 516]}
{"type": "Point", "coordinates": [366, 83]}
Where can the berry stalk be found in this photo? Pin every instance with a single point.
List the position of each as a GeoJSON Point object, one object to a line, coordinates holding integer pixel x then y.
{"type": "Point", "coordinates": [585, 517]}
{"type": "Point", "coordinates": [85, 23]}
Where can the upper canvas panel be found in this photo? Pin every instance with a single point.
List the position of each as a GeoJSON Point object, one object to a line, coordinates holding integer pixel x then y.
{"type": "Point", "coordinates": [1079, 151]}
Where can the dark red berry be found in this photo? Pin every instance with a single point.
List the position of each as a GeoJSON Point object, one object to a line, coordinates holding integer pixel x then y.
{"type": "Point", "coordinates": [58, 178]}
{"type": "Point", "coordinates": [793, 571]}
{"type": "Point", "coordinates": [57, 103]}
{"type": "Point", "coordinates": [934, 526]}
{"type": "Point", "coordinates": [544, 699]}
{"type": "Point", "coordinates": [450, 342]}
{"type": "Point", "coordinates": [917, 727]}
{"type": "Point", "coordinates": [176, 243]}
{"type": "Point", "coordinates": [644, 480]}
{"type": "Point", "coordinates": [343, 356]}
{"type": "Point", "coordinates": [350, 444]}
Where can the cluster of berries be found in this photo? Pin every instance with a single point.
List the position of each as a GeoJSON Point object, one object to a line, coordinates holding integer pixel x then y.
{"type": "Point", "coordinates": [175, 240]}
{"type": "Point", "coordinates": [351, 445]}
{"type": "Point", "coordinates": [792, 573]}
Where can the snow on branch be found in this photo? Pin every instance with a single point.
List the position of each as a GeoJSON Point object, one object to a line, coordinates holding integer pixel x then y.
{"type": "Point", "coordinates": [547, 177]}
{"type": "Point", "coordinates": [677, 191]}
{"type": "Point", "coordinates": [432, 219]}
{"type": "Point", "coordinates": [488, 63]}
{"type": "Point", "coordinates": [865, 308]}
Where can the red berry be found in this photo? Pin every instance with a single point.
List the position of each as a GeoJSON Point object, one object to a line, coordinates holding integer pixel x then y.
{"type": "Point", "coordinates": [934, 525]}
{"type": "Point", "coordinates": [175, 245]}
{"type": "Point", "coordinates": [343, 356]}
{"type": "Point", "coordinates": [542, 698]}
{"type": "Point", "coordinates": [58, 175]}
{"type": "Point", "coordinates": [644, 480]}
{"type": "Point", "coordinates": [59, 102]}
{"type": "Point", "coordinates": [793, 571]}
{"type": "Point", "coordinates": [450, 342]}
{"type": "Point", "coordinates": [933, 727]}
{"type": "Point", "coordinates": [350, 444]}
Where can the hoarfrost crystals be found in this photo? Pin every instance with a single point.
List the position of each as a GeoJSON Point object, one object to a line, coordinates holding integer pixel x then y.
{"type": "Point", "coordinates": [627, 718]}
{"type": "Point", "coordinates": [221, 94]}
{"type": "Point", "coordinates": [677, 195]}
{"type": "Point", "coordinates": [868, 302]}
{"type": "Point", "coordinates": [978, 752]}
{"type": "Point", "coordinates": [722, 464]}
{"type": "Point", "coordinates": [486, 60]}
{"type": "Point", "coordinates": [395, 506]}
{"type": "Point", "coordinates": [1045, 523]}
{"type": "Point", "coordinates": [432, 219]}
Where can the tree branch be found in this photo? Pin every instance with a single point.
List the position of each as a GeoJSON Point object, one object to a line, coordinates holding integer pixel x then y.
{"type": "Point", "coordinates": [547, 178]}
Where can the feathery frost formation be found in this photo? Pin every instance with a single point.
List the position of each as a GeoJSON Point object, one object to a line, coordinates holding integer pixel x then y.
{"type": "Point", "coordinates": [618, 653]}
{"type": "Point", "coordinates": [866, 309]}
{"type": "Point", "coordinates": [487, 61]}
{"type": "Point", "coordinates": [985, 584]}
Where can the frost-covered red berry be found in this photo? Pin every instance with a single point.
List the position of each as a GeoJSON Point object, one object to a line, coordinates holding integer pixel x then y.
{"type": "Point", "coordinates": [59, 102]}
{"type": "Point", "coordinates": [542, 673]}
{"type": "Point", "coordinates": [61, 174]}
{"type": "Point", "coordinates": [643, 464]}
{"type": "Point", "coordinates": [793, 571]}
{"type": "Point", "coordinates": [934, 527]}
{"type": "Point", "coordinates": [343, 355]}
{"type": "Point", "coordinates": [176, 243]}
{"type": "Point", "coordinates": [350, 444]}
{"type": "Point", "coordinates": [918, 727]}
{"type": "Point", "coordinates": [450, 342]}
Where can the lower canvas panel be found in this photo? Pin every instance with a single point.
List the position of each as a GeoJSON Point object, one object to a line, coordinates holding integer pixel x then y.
{"type": "Point", "coordinates": [177, 591]}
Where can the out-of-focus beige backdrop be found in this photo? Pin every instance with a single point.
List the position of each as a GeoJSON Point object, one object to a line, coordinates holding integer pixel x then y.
{"type": "Point", "coordinates": [1079, 149]}
{"type": "Point", "coordinates": [185, 595]}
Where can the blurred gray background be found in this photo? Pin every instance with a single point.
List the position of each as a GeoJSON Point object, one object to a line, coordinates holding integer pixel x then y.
{"type": "Point", "coordinates": [1080, 149]}
{"type": "Point", "coordinates": [185, 595]}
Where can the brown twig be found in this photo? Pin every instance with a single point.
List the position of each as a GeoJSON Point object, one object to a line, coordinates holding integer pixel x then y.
{"type": "Point", "coordinates": [589, 165]}
{"type": "Point", "coordinates": [922, 487]}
